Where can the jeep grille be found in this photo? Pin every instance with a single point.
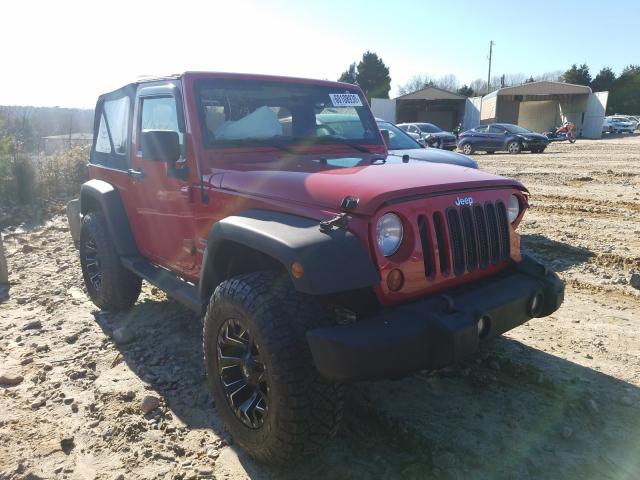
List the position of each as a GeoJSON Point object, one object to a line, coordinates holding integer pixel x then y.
{"type": "Point", "coordinates": [467, 238]}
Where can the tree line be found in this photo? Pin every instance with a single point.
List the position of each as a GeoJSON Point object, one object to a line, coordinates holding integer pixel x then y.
{"type": "Point", "coordinates": [372, 75]}
{"type": "Point", "coordinates": [28, 125]}
{"type": "Point", "coordinates": [624, 89]}
{"type": "Point", "coordinates": [27, 179]}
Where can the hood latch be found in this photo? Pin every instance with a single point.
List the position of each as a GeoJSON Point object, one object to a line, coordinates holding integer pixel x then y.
{"type": "Point", "coordinates": [339, 221]}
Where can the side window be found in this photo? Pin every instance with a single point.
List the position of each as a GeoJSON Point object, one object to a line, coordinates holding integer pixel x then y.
{"type": "Point", "coordinates": [496, 129]}
{"type": "Point", "coordinates": [160, 113]}
{"type": "Point", "coordinates": [103, 145]}
{"type": "Point", "coordinates": [112, 139]}
{"type": "Point", "coordinates": [481, 129]}
{"type": "Point", "coordinates": [117, 115]}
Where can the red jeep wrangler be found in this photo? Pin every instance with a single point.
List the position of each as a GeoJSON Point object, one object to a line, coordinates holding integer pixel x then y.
{"type": "Point", "coordinates": [315, 259]}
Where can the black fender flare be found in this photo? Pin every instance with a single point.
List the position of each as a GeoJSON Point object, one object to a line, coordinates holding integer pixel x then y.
{"type": "Point", "coordinates": [100, 195]}
{"type": "Point", "coordinates": [333, 261]}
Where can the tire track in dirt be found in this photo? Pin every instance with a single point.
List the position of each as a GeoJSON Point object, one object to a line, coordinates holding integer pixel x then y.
{"type": "Point", "coordinates": [586, 204]}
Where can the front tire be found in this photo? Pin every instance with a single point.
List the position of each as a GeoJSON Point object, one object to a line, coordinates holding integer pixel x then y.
{"type": "Point", "coordinates": [467, 149]}
{"type": "Point", "coordinates": [259, 366]}
{"type": "Point", "coordinates": [514, 147]}
{"type": "Point", "coordinates": [109, 285]}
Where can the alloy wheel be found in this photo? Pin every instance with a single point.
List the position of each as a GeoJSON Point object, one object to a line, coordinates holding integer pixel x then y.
{"type": "Point", "coordinates": [242, 373]}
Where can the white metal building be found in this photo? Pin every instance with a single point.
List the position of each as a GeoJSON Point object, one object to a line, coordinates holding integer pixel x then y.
{"type": "Point", "coordinates": [540, 106]}
{"type": "Point", "coordinates": [431, 104]}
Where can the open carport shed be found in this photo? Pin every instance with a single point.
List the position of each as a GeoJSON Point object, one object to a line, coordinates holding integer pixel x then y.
{"type": "Point", "coordinates": [540, 106]}
{"type": "Point", "coordinates": [433, 105]}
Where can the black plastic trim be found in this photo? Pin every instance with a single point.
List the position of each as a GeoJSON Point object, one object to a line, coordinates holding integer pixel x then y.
{"type": "Point", "coordinates": [333, 261]}
{"type": "Point", "coordinates": [103, 195]}
{"type": "Point", "coordinates": [174, 286]}
{"type": "Point", "coordinates": [436, 331]}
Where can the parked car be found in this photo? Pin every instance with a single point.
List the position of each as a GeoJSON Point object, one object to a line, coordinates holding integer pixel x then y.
{"type": "Point", "coordinates": [313, 261]}
{"type": "Point", "coordinates": [617, 125]}
{"type": "Point", "coordinates": [425, 131]}
{"type": "Point", "coordinates": [631, 118]}
{"type": "Point", "coordinates": [501, 136]}
{"type": "Point", "coordinates": [401, 144]}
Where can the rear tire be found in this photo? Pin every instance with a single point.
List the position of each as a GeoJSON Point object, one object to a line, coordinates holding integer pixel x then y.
{"type": "Point", "coordinates": [291, 409]}
{"type": "Point", "coordinates": [109, 285]}
{"type": "Point", "coordinates": [467, 149]}
{"type": "Point", "coordinates": [514, 147]}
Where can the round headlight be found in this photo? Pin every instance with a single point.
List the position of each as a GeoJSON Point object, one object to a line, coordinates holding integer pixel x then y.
{"type": "Point", "coordinates": [514, 208]}
{"type": "Point", "coordinates": [389, 233]}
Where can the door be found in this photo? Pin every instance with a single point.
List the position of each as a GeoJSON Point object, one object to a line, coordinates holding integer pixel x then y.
{"type": "Point", "coordinates": [165, 226]}
{"type": "Point", "coordinates": [415, 132]}
{"type": "Point", "coordinates": [495, 137]}
{"type": "Point", "coordinates": [479, 136]}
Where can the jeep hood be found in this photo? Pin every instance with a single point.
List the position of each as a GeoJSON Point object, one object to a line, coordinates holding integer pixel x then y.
{"type": "Point", "coordinates": [325, 185]}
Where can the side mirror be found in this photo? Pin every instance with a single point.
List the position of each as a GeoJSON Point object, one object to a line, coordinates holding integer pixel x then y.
{"type": "Point", "coordinates": [161, 145]}
{"type": "Point", "coordinates": [385, 135]}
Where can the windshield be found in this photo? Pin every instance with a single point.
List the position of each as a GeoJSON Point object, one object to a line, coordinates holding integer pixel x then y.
{"type": "Point", "coordinates": [238, 113]}
{"type": "Point", "coordinates": [515, 129]}
{"type": "Point", "coordinates": [398, 140]}
{"type": "Point", "coordinates": [428, 128]}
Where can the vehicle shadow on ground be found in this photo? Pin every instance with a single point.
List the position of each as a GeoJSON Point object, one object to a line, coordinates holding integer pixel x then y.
{"type": "Point", "coordinates": [559, 256]}
{"type": "Point", "coordinates": [618, 136]}
{"type": "Point", "coordinates": [510, 411]}
{"type": "Point", "coordinates": [4, 293]}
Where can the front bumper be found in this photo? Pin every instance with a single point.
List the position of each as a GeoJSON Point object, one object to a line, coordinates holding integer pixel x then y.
{"type": "Point", "coordinates": [436, 331]}
{"type": "Point", "coordinates": [529, 144]}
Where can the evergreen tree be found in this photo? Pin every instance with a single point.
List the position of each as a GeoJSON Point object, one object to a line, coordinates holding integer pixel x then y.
{"type": "Point", "coordinates": [604, 80]}
{"type": "Point", "coordinates": [350, 75]}
{"type": "Point", "coordinates": [625, 94]}
{"type": "Point", "coordinates": [465, 90]}
{"type": "Point", "coordinates": [578, 75]}
{"type": "Point", "coordinates": [371, 74]}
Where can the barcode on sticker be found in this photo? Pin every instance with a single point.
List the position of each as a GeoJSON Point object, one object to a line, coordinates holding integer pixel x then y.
{"type": "Point", "coordinates": [345, 100]}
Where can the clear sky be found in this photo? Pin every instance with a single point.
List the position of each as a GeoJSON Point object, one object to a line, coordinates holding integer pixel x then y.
{"type": "Point", "coordinates": [65, 53]}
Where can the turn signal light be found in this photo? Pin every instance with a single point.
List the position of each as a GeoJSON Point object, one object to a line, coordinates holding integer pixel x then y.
{"type": "Point", "coordinates": [395, 280]}
{"type": "Point", "coordinates": [296, 270]}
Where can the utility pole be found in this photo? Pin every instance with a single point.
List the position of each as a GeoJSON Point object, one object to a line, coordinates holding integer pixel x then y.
{"type": "Point", "coordinates": [491, 44]}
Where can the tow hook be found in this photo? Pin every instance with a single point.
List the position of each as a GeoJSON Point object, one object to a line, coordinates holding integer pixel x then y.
{"type": "Point", "coordinates": [339, 221]}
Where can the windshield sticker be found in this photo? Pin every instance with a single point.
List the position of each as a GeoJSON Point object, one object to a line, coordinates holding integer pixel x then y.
{"type": "Point", "coordinates": [345, 100]}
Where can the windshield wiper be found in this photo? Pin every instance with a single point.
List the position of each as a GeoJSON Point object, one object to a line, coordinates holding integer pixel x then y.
{"type": "Point", "coordinates": [343, 141]}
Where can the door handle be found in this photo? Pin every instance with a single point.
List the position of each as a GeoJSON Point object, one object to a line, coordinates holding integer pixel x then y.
{"type": "Point", "coordinates": [135, 174]}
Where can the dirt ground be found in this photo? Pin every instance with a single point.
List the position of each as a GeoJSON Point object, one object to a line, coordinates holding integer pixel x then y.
{"type": "Point", "coordinates": [558, 398]}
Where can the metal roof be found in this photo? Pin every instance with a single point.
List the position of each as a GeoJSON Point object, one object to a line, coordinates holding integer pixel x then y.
{"type": "Point", "coordinates": [544, 88]}
{"type": "Point", "coordinates": [431, 93]}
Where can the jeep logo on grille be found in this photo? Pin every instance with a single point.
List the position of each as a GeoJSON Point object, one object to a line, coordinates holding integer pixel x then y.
{"type": "Point", "coordinates": [460, 201]}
